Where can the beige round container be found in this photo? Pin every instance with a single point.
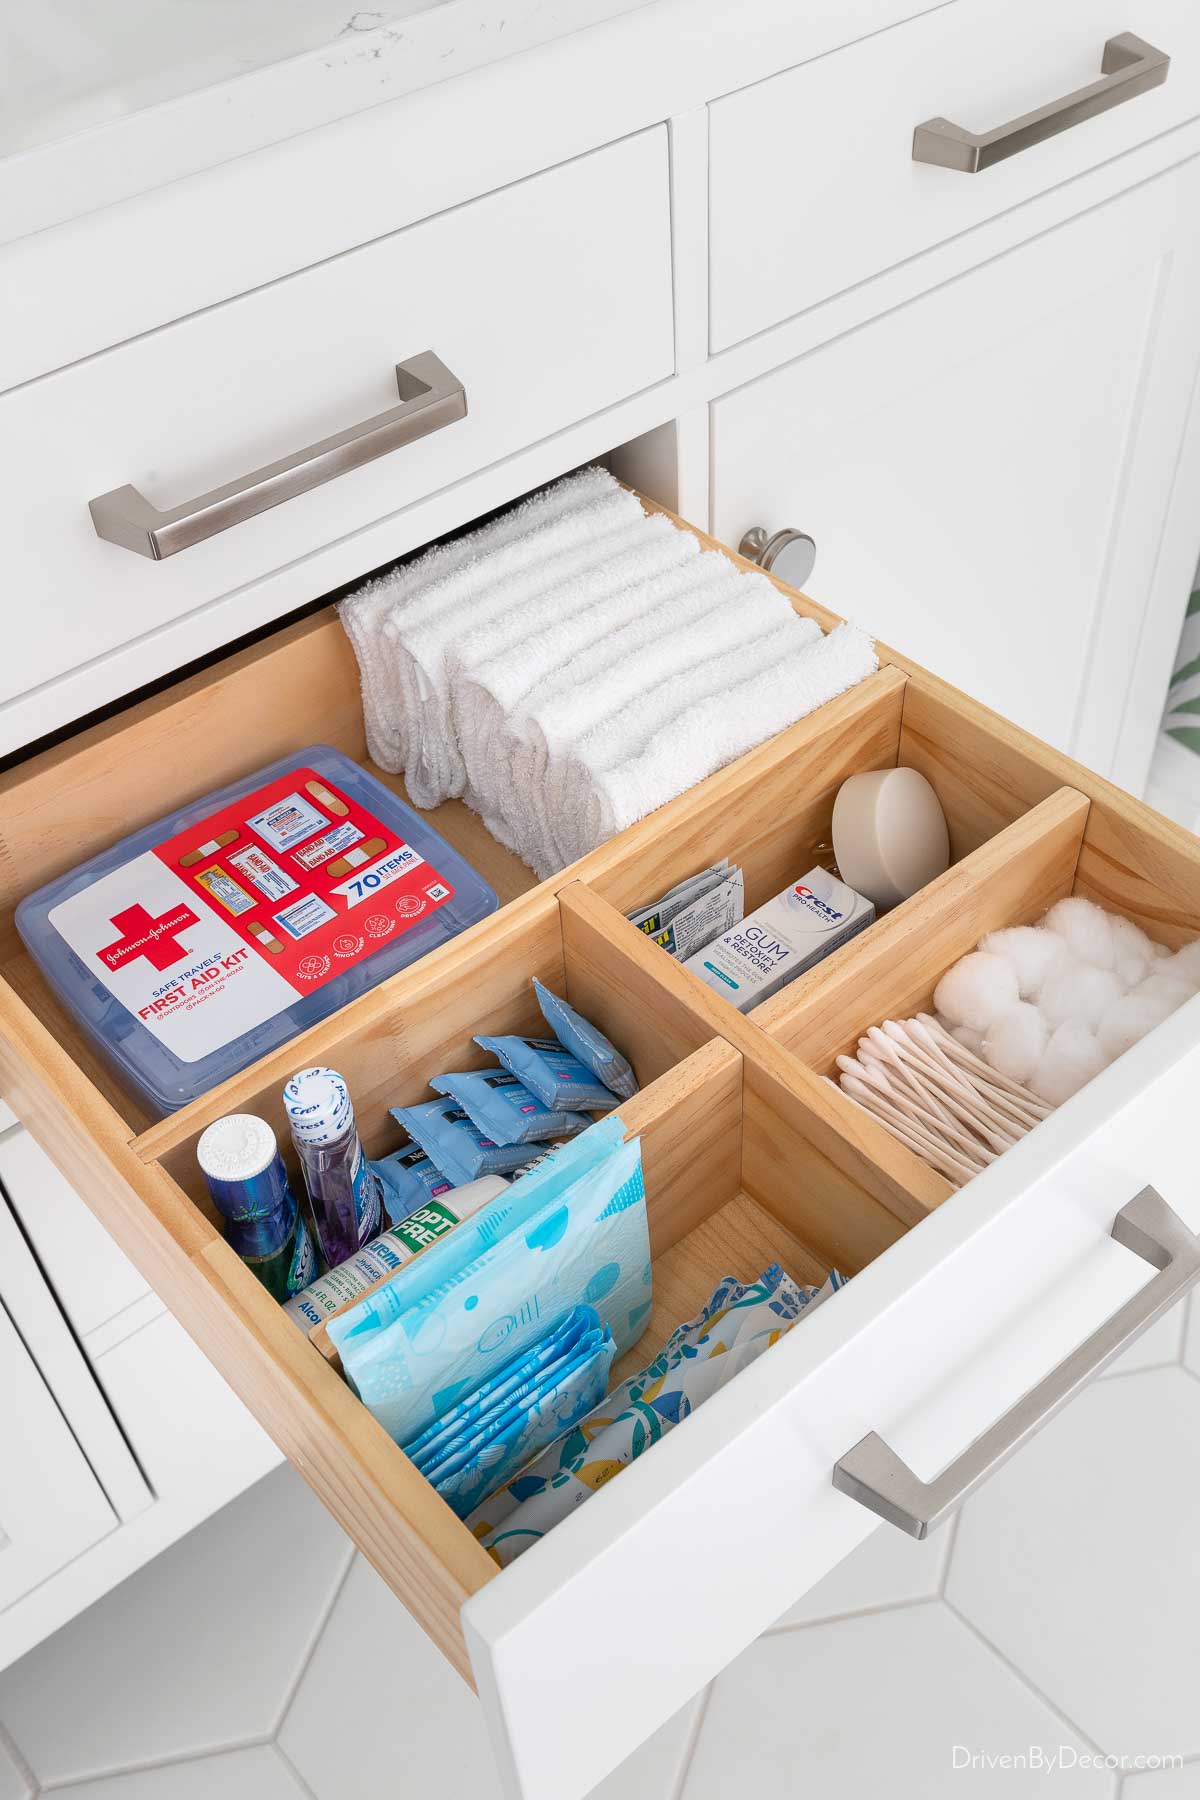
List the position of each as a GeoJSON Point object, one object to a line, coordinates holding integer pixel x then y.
{"type": "Point", "coordinates": [889, 834]}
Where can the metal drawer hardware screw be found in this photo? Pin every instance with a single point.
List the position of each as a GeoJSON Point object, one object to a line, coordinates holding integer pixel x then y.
{"type": "Point", "coordinates": [1129, 67]}
{"type": "Point", "coordinates": [430, 397]}
{"type": "Point", "coordinates": [788, 554]}
{"type": "Point", "coordinates": [873, 1473]}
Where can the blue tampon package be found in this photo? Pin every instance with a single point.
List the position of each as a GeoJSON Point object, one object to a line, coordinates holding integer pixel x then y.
{"type": "Point", "coordinates": [583, 1040]}
{"type": "Point", "coordinates": [551, 1074]}
{"type": "Point", "coordinates": [517, 1412]}
{"type": "Point", "coordinates": [571, 1232]}
{"type": "Point", "coordinates": [454, 1143]}
{"type": "Point", "coordinates": [409, 1179]}
{"type": "Point", "coordinates": [505, 1108]}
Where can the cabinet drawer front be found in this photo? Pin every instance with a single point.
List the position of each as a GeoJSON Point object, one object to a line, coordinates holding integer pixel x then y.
{"type": "Point", "coordinates": [813, 183]}
{"type": "Point", "coordinates": [547, 300]}
{"type": "Point", "coordinates": [960, 1302]}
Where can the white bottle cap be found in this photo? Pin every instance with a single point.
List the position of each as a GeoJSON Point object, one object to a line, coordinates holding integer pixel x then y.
{"type": "Point", "coordinates": [317, 1102]}
{"type": "Point", "coordinates": [889, 834]}
{"type": "Point", "coordinates": [236, 1147]}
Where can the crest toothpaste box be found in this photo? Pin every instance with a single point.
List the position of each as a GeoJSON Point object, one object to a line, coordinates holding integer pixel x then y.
{"type": "Point", "coordinates": [756, 958]}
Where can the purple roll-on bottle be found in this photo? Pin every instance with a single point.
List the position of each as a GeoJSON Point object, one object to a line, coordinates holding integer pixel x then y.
{"type": "Point", "coordinates": [342, 1187]}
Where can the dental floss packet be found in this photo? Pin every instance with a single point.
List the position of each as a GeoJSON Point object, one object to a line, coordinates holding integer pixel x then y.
{"type": "Point", "coordinates": [694, 913]}
{"type": "Point", "coordinates": [571, 1232]}
{"type": "Point", "coordinates": [583, 1040]}
{"type": "Point", "coordinates": [408, 1178]}
{"type": "Point", "coordinates": [660, 912]}
{"type": "Point", "coordinates": [455, 1144]}
{"type": "Point", "coordinates": [796, 929]}
{"type": "Point", "coordinates": [505, 1109]}
{"type": "Point", "coordinates": [736, 1324]}
{"type": "Point", "coordinates": [517, 1412]}
{"type": "Point", "coordinates": [390, 1251]}
{"type": "Point", "coordinates": [552, 1074]}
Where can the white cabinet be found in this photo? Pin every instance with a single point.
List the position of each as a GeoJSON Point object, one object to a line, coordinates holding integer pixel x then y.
{"type": "Point", "coordinates": [988, 471]}
{"type": "Point", "coordinates": [51, 1505]}
{"type": "Point", "coordinates": [118, 1435]}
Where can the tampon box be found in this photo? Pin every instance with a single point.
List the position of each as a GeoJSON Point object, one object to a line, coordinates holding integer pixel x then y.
{"type": "Point", "coordinates": [201, 942]}
{"type": "Point", "coordinates": [789, 934]}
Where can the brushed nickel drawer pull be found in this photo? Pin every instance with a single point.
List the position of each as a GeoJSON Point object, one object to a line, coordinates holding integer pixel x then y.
{"type": "Point", "coordinates": [872, 1472]}
{"type": "Point", "coordinates": [430, 397]}
{"type": "Point", "coordinates": [1129, 67]}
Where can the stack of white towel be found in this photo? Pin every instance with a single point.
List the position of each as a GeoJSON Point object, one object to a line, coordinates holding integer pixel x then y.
{"type": "Point", "coordinates": [576, 663]}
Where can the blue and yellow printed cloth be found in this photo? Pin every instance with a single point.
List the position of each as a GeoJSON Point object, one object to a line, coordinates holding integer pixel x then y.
{"type": "Point", "coordinates": [736, 1324]}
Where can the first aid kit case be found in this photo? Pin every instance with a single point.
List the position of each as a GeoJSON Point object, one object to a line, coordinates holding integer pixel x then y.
{"type": "Point", "coordinates": [204, 940]}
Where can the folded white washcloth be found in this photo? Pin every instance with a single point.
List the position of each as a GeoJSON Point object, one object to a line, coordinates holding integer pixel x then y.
{"type": "Point", "coordinates": [503, 661]}
{"type": "Point", "coordinates": [718, 610]}
{"type": "Point", "coordinates": [363, 612]}
{"type": "Point", "coordinates": [420, 639]}
{"type": "Point", "coordinates": [574, 664]}
{"type": "Point", "coordinates": [783, 679]}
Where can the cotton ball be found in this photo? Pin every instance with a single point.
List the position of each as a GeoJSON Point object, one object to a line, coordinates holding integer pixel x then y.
{"type": "Point", "coordinates": [1184, 965]}
{"type": "Point", "coordinates": [1085, 929]}
{"type": "Point", "coordinates": [1162, 985]}
{"type": "Point", "coordinates": [1014, 1041]}
{"type": "Point", "coordinates": [970, 1040]}
{"type": "Point", "coordinates": [976, 989]}
{"type": "Point", "coordinates": [1132, 1016]}
{"type": "Point", "coordinates": [1031, 951]}
{"type": "Point", "coordinates": [1132, 951]}
{"type": "Point", "coordinates": [1161, 950]}
{"type": "Point", "coordinates": [1077, 990]}
{"type": "Point", "coordinates": [1069, 1060]}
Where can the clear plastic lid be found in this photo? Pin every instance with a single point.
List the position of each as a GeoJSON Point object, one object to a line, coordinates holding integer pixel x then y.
{"type": "Point", "coordinates": [201, 942]}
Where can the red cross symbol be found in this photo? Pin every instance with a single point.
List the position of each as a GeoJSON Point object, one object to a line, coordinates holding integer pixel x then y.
{"type": "Point", "coordinates": [142, 935]}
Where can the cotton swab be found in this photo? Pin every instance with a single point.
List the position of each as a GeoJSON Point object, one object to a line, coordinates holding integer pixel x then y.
{"type": "Point", "coordinates": [936, 1096]}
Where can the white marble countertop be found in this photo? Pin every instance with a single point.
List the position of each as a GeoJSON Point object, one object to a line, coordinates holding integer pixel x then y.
{"type": "Point", "coordinates": [101, 100]}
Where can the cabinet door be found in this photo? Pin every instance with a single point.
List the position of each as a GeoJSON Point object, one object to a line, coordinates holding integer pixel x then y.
{"type": "Point", "coordinates": [51, 1505]}
{"type": "Point", "coordinates": [988, 471]}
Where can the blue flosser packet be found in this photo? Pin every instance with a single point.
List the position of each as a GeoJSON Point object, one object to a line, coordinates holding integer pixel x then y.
{"type": "Point", "coordinates": [455, 1144]}
{"type": "Point", "coordinates": [505, 1109]}
{"type": "Point", "coordinates": [584, 1041]}
{"type": "Point", "coordinates": [551, 1074]}
{"type": "Point", "coordinates": [409, 1179]}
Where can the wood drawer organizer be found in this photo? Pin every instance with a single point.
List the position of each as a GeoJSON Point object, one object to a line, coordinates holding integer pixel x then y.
{"type": "Point", "coordinates": [749, 1154]}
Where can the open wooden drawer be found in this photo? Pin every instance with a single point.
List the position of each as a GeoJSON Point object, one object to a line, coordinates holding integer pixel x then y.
{"type": "Point", "coordinates": [959, 1305]}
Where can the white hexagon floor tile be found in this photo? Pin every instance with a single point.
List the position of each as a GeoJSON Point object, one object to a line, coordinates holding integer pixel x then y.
{"type": "Point", "coordinates": [254, 1774]}
{"type": "Point", "coordinates": [895, 1703]}
{"type": "Point", "coordinates": [887, 1569]}
{"type": "Point", "coordinates": [436, 1723]}
{"type": "Point", "coordinates": [195, 1652]}
{"type": "Point", "coordinates": [1164, 1784]}
{"type": "Point", "coordinates": [1078, 1560]}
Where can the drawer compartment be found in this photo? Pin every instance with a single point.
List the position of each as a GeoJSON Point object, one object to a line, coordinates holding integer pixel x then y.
{"type": "Point", "coordinates": [959, 1302]}
{"type": "Point", "coordinates": [842, 127]}
{"type": "Point", "coordinates": [506, 291]}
